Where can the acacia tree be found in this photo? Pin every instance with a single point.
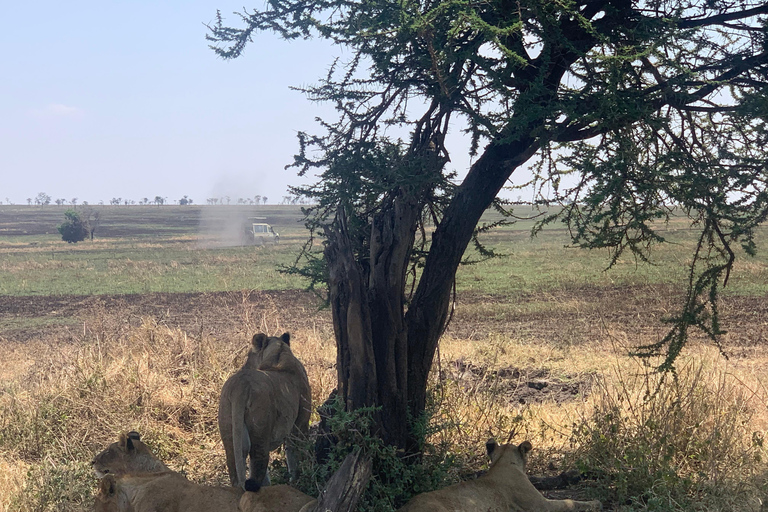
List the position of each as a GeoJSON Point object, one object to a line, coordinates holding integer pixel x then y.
{"type": "Point", "coordinates": [74, 229]}
{"type": "Point", "coordinates": [627, 109]}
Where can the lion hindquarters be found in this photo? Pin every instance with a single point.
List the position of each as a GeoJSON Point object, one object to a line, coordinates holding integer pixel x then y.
{"type": "Point", "coordinates": [233, 431]}
{"type": "Point", "coordinates": [258, 412]}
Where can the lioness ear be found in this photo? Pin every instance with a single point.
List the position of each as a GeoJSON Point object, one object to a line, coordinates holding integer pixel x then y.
{"type": "Point", "coordinates": [129, 444]}
{"type": "Point", "coordinates": [121, 440]}
{"type": "Point", "coordinates": [524, 448]}
{"type": "Point", "coordinates": [259, 340]}
{"type": "Point", "coordinates": [490, 446]}
{"type": "Point", "coordinates": [134, 435]}
{"type": "Point", "coordinates": [286, 337]}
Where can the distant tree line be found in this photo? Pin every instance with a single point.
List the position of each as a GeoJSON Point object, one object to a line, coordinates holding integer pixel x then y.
{"type": "Point", "coordinates": [43, 199]}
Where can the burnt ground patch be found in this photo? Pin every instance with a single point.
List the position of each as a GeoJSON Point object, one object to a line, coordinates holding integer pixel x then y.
{"type": "Point", "coordinates": [578, 315]}
{"type": "Point", "coordinates": [634, 312]}
{"type": "Point", "coordinates": [215, 314]}
{"type": "Point", "coordinates": [518, 385]}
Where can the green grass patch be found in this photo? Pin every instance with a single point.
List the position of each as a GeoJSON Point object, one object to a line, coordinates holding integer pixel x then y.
{"type": "Point", "coordinates": [136, 268]}
{"type": "Point", "coordinates": [548, 262]}
{"type": "Point", "coordinates": [142, 249]}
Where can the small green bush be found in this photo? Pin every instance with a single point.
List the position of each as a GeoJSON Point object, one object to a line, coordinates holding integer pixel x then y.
{"type": "Point", "coordinates": [73, 229]}
{"type": "Point", "coordinates": [396, 477]}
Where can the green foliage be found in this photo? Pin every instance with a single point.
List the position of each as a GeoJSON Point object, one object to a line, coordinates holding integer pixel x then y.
{"type": "Point", "coordinates": [396, 477]}
{"type": "Point", "coordinates": [633, 111]}
{"type": "Point", "coordinates": [708, 165]}
{"type": "Point", "coordinates": [73, 229]}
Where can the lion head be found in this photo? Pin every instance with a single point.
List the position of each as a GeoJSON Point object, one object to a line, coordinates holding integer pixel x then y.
{"type": "Point", "coordinates": [271, 353]}
{"type": "Point", "coordinates": [108, 499]}
{"type": "Point", "coordinates": [508, 454]}
{"type": "Point", "coordinates": [504, 487]}
{"type": "Point", "coordinates": [127, 455]}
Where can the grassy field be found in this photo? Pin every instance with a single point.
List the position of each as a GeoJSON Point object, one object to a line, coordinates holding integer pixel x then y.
{"type": "Point", "coordinates": [144, 249]}
{"type": "Point", "coordinates": [139, 329]}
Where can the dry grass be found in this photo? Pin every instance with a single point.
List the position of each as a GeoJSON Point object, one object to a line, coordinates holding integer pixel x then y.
{"type": "Point", "coordinates": [693, 442]}
{"type": "Point", "coordinates": [62, 401]}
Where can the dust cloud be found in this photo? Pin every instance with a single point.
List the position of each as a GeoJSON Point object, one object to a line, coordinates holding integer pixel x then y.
{"type": "Point", "coordinates": [226, 226]}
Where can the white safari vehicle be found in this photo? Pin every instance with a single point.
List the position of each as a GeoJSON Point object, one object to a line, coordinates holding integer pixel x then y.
{"type": "Point", "coordinates": [262, 234]}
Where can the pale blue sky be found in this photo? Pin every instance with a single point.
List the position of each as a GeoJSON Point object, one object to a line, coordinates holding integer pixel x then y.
{"type": "Point", "coordinates": [125, 99]}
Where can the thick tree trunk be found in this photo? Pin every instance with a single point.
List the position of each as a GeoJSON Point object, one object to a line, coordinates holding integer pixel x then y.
{"type": "Point", "coordinates": [392, 238]}
{"type": "Point", "coordinates": [368, 316]}
{"type": "Point", "coordinates": [428, 312]}
{"type": "Point", "coordinates": [385, 354]}
{"type": "Point", "coordinates": [355, 363]}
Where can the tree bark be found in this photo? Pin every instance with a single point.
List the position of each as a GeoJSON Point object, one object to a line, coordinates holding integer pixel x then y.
{"type": "Point", "coordinates": [392, 237]}
{"type": "Point", "coordinates": [368, 315]}
{"type": "Point", "coordinates": [355, 363]}
{"type": "Point", "coordinates": [428, 312]}
{"type": "Point", "coordinates": [385, 354]}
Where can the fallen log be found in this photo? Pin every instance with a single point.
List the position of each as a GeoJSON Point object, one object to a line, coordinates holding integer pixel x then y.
{"type": "Point", "coordinates": [344, 488]}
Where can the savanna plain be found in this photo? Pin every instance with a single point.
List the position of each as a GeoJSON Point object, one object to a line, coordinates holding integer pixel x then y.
{"type": "Point", "coordinates": [139, 328]}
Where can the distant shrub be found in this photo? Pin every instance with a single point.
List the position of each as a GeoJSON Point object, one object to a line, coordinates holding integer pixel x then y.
{"type": "Point", "coordinates": [73, 229]}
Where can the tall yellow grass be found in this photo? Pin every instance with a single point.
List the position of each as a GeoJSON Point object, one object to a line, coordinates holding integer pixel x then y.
{"type": "Point", "coordinates": [61, 403]}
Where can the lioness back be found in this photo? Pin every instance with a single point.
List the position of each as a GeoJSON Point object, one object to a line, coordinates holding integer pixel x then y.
{"type": "Point", "coordinates": [267, 402]}
{"type": "Point", "coordinates": [162, 492]}
{"type": "Point", "coordinates": [128, 455]}
{"type": "Point", "coordinates": [504, 488]}
{"type": "Point", "coordinates": [278, 498]}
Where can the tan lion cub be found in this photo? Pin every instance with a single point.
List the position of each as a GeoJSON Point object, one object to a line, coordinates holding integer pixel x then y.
{"type": "Point", "coordinates": [504, 488]}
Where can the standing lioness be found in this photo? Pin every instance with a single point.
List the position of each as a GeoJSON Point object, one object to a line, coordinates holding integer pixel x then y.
{"type": "Point", "coordinates": [265, 403]}
{"type": "Point", "coordinates": [504, 488]}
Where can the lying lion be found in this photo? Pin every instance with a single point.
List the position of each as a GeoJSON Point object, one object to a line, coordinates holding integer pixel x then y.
{"type": "Point", "coordinates": [162, 492]}
{"type": "Point", "coordinates": [267, 402]}
{"type": "Point", "coordinates": [127, 455]}
{"type": "Point", "coordinates": [131, 474]}
{"type": "Point", "coordinates": [276, 498]}
{"type": "Point", "coordinates": [504, 488]}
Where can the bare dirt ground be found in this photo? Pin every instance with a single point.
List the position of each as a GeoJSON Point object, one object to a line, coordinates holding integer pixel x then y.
{"type": "Point", "coordinates": [214, 313]}
{"type": "Point", "coordinates": [563, 318]}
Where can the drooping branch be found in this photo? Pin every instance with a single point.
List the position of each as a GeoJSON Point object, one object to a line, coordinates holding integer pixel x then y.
{"type": "Point", "coordinates": [627, 97]}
